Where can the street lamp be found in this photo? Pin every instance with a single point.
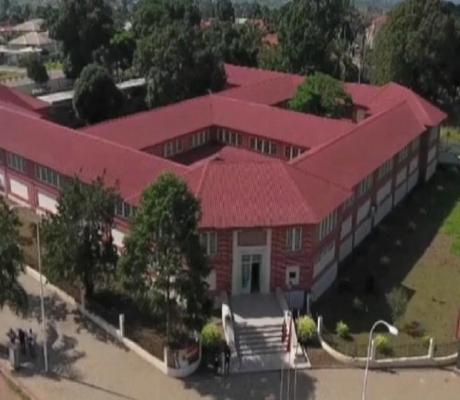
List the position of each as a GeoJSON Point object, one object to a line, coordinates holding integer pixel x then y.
{"type": "Point", "coordinates": [393, 330]}
{"type": "Point", "coordinates": [42, 300]}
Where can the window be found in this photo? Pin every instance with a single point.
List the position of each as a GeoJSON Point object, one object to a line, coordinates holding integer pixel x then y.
{"type": "Point", "coordinates": [208, 241]}
{"type": "Point", "coordinates": [385, 169]}
{"type": "Point", "coordinates": [292, 152]}
{"type": "Point", "coordinates": [403, 154]}
{"type": "Point", "coordinates": [365, 186]}
{"type": "Point", "coordinates": [172, 148]}
{"type": "Point", "coordinates": [294, 239]}
{"type": "Point", "coordinates": [327, 225]}
{"type": "Point", "coordinates": [16, 162]}
{"type": "Point", "coordinates": [200, 138]}
{"type": "Point", "coordinates": [229, 137]}
{"type": "Point", "coordinates": [263, 146]}
{"type": "Point", "coordinates": [124, 210]}
{"type": "Point", "coordinates": [48, 176]}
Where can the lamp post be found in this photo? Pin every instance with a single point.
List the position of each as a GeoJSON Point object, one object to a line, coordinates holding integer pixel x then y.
{"type": "Point", "coordinates": [42, 299]}
{"type": "Point", "coordinates": [393, 330]}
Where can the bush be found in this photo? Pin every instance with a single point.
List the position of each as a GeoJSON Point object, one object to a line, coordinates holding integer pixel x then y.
{"type": "Point", "coordinates": [414, 329]}
{"type": "Point", "coordinates": [426, 340]}
{"type": "Point", "coordinates": [382, 344]}
{"type": "Point", "coordinates": [306, 329]}
{"type": "Point", "coordinates": [211, 337]}
{"type": "Point", "coordinates": [397, 300]}
{"type": "Point", "coordinates": [342, 330]}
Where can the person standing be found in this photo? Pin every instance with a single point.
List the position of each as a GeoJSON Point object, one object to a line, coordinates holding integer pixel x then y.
{"type": "Point", "coordinates": [227, 357]}
{"type": "Point", "coordinates": [31, 343]}
{"type": "Point", "coordinates": [22, 340]}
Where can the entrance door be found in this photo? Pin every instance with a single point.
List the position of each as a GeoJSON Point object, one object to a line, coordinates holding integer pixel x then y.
{"type": "Point", "coordinates": [251, 265]}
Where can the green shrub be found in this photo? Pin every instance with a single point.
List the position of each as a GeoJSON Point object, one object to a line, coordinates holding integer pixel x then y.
{"type": "Point", "coordinates": [397, 300]}
{"type": "Point", "coordinates": [342, 330]}
{"type": "Point", "coordinates": [306, 329]}
{"type": "Point", "coordinates": [211, 336]}
{"type": "Point", "coordinates": [414, 329]}
{"type": "Point", "coordinates": [382, 344]}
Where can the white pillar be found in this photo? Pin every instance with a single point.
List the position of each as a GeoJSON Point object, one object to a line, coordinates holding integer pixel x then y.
{"type": "Point", "coordinates": [373, 350]}
{"type": "Point", "coordinates": [121, 321]}
{"type": "Point", "coordinates": [431, 348]}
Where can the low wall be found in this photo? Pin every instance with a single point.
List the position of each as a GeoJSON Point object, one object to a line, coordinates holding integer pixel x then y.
{"type": "Point", "coordinates": [401, 362]}
{"type": "Point", "coordinates": [228, 323]}
{"type": "Point", "coordinates": [115, 333]}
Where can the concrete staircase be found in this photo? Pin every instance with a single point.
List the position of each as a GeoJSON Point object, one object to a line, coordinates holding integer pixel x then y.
{"type": "Point", "coordinates": [259, 340]}
{"type": "Point", "coordinates": [258, 334]}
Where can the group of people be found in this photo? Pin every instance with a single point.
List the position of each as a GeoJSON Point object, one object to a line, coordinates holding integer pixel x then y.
{"type": "Point", "coordinates": [27, 340]}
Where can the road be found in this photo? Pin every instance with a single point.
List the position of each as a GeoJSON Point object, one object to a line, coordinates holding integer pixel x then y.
{"type": "Point", "coordinates": [5, 391]}
{"type": "Point", "coordinates": [87, 365]}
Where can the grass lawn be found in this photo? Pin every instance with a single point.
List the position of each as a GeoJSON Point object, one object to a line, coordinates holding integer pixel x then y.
{"type": "Point", "coordinates": [416, 247]}
{"type": "Point", "coordinates": [8, 75]}
{"type": "Point", "coordinates": [451, 133]}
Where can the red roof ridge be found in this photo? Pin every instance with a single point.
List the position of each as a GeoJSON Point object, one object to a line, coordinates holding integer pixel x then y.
{"type": "Point", "coordinates": [145, 112]}
{"type": "Point", "coordinates": [355, 129]}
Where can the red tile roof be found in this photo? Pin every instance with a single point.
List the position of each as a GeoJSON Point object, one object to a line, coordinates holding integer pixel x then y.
{"type": "Point", "coordinates": [237, 188]}
{"type": "Point", "coordinates": [256, 194]}
{"type": "Point", "coordinates": [72, 153]}
{"type": "Point", "coordinates": [351, 158]}
{"type": "Point", "coordinates": [148, 128]}
{"type": "Point", "coordinates": [19, 101]}
{"type": "Point", "coordinates": [276, 123]}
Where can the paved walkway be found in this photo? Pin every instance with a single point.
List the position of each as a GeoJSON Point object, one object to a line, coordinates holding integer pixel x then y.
{"type": "Point", "coordinates": [86, 365]}
{"type": "Point", "coordinates": [5, 391]}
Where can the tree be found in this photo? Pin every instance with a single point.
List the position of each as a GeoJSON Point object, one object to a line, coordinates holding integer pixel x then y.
{"type": "Point", "coordinates": [235, 44]}
{"type": "Point", "coordinates": [82, 26]}
{"type": "Point", "coordinates": [415, 48]}
{"type": "Point", "coordinates": [96, 96]}
{"type": "Point", "coordinates": [322, 95]}
{"type": "Point", "coordinates": [271, 58]}
{"type": "Point", "coordinates": [36, 70]}
{"type": "Point", "coordinates": [12, 293]}
{"type": "Point", "coordinates": [225, 11]}
{"type": "Point", "coordinates": [178, 64]}
{"type": "Point", "coordinates": [163, 262]}
{"type": "Point", "coordinates": [307, 29]}
{"type": "Point", "coordinates": [152, 15]}
{"type": "Point", "coordinates": [78, 246]}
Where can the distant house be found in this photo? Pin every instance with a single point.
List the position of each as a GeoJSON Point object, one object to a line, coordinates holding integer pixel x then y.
{"type": "Point", "coordinates": [33, 25]}
{"type": "Point", "coordinates": [39, 40]}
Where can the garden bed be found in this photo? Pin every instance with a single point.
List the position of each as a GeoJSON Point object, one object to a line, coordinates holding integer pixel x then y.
{"type": "Point", "coordinates": [418, 249]}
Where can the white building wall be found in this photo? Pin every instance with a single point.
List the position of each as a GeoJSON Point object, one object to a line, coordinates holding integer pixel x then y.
{"type": "Point", "coordinates": [412, 181]}
{"type": "Point", "coordinates": [363, 211]}
{"type": "Point", "coordinates": [383, 192]}
{"type": "Point", "coordinates": [401, 177]}
{"type": "Point", "coordinates": [363, 230]}
{"type": "Point", "coordinates": [346, 247]}
{"type": "Point", "coordinates": [413, 165]}
{"type": "Point", "coordinates": [327, 257]}
{"type": "Point", "coordinates": [431, 154]}
{"type": "Point", "coordinates": [400, 193]}
{"type": "Point", "coordinates": [324, 282]}
{"type": "Point", "coordinates": [383, 210]}
{"type": "Point", "coordinates": [430, 170]}
{"type": "Point", "coordinates": [48, 203]}
{"type": "Point", "coordinates": [2, 180]}
{"type": "Point", "coordinates": [19, 189]}
{"type": "Point", "coordinates": [118, 237]}
{"type": "Point", "coordinates": [346, 227]}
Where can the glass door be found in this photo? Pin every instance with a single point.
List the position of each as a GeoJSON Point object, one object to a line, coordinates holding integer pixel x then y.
{"type": "Point", "coordinates": [246, 274]}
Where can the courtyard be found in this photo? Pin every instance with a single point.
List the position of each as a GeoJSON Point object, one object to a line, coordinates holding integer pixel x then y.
{"type": "Point", "coordinates": [417, 248]}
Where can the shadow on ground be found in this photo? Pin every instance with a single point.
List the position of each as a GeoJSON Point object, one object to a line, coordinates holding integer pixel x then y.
{"type": "Point", "coordinates": [261, 386]}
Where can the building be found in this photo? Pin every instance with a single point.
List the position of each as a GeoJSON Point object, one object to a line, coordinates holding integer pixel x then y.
{"type": "Point", "coordinates": [285, 196]}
